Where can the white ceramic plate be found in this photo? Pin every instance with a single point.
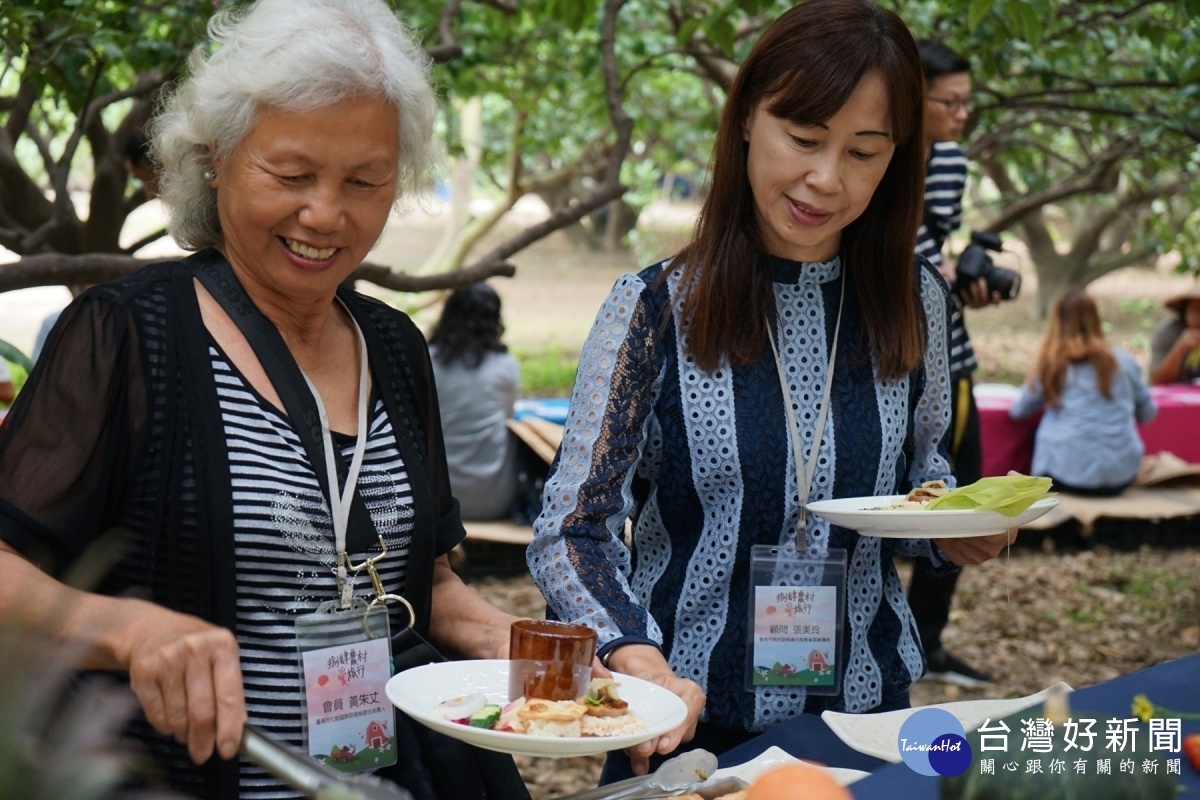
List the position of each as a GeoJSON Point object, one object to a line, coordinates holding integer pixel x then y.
{"type": "Point", "coordinates": [774, 757]}
{"type": "Point", "coordinates": [416, 691]}
{"type": "Point", "coordinates": [868, 516]}
{"type": "Point", "coordinates": [877, 734]}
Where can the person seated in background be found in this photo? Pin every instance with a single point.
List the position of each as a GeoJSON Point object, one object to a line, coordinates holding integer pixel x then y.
{"type": "Point", "coordinates": [7, 390]}
{"type": "Point", "coordinates": [139, 163]}
{"type": "Point", "coordinates": [477, 385]}
{"type": "Point", "coordinates": [1175, 343]}
{"type": "Point", "coordinates": [1093, 393]}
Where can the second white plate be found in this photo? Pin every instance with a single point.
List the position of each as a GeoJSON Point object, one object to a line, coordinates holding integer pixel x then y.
{"type": "Point", "coordinates": [870, 517]}
{"type": "Point", "coordinates": [877, 734]}
{"type": "Point", "coordinates": [416, 691]}
{"type": "Point", "coordinates": [773, 757]}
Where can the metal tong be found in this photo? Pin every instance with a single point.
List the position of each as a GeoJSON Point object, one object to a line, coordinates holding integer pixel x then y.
{"type": "Point", "coordinates": [685, 772]}
{"type": "Point", "coordinates": [311, 778]}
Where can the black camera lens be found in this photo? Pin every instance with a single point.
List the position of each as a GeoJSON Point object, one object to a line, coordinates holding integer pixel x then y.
{"type": "Point", "coordinates": [1005, 281]}
{"type": "Point", "coordinates": [975, 263]}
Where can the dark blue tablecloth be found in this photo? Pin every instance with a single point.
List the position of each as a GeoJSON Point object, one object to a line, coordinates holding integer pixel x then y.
{"type": "Point", "coordinates": [1174, 684]}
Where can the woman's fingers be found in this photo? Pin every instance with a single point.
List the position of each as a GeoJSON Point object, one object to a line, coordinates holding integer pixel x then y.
{"type": "Point", "coordinates": [189, 683]}
{"type": "Point", "coordinates": [976, 549]}
{"type": "Point", "coordinates": [693, 697]}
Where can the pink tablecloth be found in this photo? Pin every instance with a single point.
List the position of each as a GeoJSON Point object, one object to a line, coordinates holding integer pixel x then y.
{"type": "Point", "coordinates": [1008, 443]}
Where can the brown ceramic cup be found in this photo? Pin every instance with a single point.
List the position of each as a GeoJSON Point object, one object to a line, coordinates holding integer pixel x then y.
{"type": "Point", "coordinates": [549, 660]}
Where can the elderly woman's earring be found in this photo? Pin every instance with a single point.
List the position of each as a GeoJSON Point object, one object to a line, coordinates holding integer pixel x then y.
{"type": "Point", "coordinates": [210, 174]}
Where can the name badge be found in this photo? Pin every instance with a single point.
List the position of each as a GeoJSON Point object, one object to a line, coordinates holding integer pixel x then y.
{"type": "Point", "coordinates": [346, 660]}
{"type": "Point", "coordinates": [797, 606]}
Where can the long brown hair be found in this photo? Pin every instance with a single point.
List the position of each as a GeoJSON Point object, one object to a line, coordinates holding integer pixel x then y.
{"type": "Point", "coordinates": [1074, 335]}
{"type": "Point", "coordinates": [806, 65]}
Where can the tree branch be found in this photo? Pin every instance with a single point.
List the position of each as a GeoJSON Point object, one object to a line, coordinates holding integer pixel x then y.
{"type": "Point", "coordinates": [55, 269]}
{"type": "Point", "coordinates": [500, 5]}
{"type": "Point", "coordinates": [1088, 238]}
{"type": "Point", "coordinates": [1102, 173]}
{"type": "Point", "coordinates": [611, 188]}
{"type": "Point", "coordinates": [446, 49]}
{"type": "Point", "coordinates": [145, 240]}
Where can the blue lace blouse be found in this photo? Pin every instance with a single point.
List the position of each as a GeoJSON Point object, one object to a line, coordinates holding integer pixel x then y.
{"type": "Point", "coordinates": [701, 463]}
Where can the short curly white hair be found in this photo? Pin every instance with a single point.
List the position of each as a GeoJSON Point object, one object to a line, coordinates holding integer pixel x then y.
{"type": "Point", "coordinates": [294, 55]}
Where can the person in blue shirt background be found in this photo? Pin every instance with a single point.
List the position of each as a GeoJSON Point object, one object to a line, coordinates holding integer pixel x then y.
{"type": "Point", "coordinates": [1094, 396]}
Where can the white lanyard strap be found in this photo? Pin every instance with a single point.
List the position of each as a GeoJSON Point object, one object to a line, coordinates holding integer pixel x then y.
{"type": "Point", "coordinates": [804, 481]}
{"type": "Point", "coordinates": [340, 501]}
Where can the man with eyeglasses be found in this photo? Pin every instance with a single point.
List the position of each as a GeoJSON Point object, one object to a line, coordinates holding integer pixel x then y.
{"type": "Point", "coordinates": [947, 108]}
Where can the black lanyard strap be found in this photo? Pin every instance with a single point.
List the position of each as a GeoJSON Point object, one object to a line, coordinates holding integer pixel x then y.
{"type": "Point", "coordinates": [216, 275]}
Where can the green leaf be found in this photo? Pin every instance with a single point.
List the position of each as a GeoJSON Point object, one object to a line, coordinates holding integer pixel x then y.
{"type": "Point", "coordinates": [977, 11]}
{"type": "Point", "coordinates": [1030, 22]}
{"type": "Point", "coordinates": [10, 353]}
{"type": "Point", "coordinates": [1006, 494]}
{"type": "Point", "coordinates": [687, 30]}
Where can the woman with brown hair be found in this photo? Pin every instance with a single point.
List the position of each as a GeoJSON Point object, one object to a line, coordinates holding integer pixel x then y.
{"type": "Point", "coordinates": [796, 328]}
{"type": "Point", "coordinates": [1093, 395]}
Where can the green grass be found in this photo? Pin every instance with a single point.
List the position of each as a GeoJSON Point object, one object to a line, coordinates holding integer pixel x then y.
{"type": "Point", "coordinates": [547, 373]}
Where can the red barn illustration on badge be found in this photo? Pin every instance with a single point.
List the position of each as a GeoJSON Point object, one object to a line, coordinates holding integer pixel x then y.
{"type": "Point", "coordinates": [377, 737]}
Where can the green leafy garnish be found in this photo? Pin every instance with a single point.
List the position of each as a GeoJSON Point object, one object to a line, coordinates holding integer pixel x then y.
{"type": "Point", "coordinates": [1006, 494]}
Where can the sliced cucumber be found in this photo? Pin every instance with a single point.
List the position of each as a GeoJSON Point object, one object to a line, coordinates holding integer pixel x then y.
{"type": "Point", "coordinates": [485, 717]}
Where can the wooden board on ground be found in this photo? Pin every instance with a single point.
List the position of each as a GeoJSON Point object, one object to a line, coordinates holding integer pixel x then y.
{"type": "Point", "coordinates": [1137, 502]}
{"type": "Point", "coordinates": [542, 436]}
{"type": "Point", "coordinates": [500, 531]}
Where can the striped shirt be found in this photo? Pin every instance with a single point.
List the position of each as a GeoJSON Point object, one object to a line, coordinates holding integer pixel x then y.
{"type": "Point", "coordinates": [945, 183]}
{"type": "Point", "coordinates": [285, 552]}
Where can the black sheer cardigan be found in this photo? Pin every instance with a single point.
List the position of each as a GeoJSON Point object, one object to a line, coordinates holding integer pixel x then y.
{"type": "Point", "coordinates": [119, 429]}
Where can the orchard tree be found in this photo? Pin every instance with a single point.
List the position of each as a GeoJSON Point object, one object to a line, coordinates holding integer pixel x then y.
{"type": "Point", "coordinates": [1086, 123]}
{"type": "Point", "coordinates": [1089, 112]}
{"type": "Point", "coordinates": [79, 78]}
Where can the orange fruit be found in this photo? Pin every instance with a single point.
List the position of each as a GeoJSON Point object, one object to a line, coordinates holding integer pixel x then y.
{"type": "Point", "coordinates": [799, 781]}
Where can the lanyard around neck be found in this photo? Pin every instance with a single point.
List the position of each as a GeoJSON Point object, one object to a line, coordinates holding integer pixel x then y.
{"type": "Point", "coordinates": [340, 501]}
{"type": "Point", "coordinates": [804, 479]}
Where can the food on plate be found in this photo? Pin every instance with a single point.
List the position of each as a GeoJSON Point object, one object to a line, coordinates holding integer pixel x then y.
{"type": "Point", "coordinates": [602, 700]}
{"type": "Point", "coordinates": [599, 712]}
{"type": "Point", "coordinates": [460, 707]}
{"type": "Point", "coordinates": [485, 717]}
{"type": "Point", "coordinates": [796, 781]}
{"type": "Point", "coordinates": [546, 718]}
{"type": "Point", "coordinates": [918, 497]}
{"type": "Point", "coordinates": [1005, 494]}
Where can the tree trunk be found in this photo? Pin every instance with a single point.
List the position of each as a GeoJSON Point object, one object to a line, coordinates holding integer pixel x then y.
{"type": "Point", "coordinates": [462, 176]}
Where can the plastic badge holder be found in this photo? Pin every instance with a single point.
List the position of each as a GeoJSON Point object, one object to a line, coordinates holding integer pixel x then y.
{"type": "Point", "coordinates": [797, 609]}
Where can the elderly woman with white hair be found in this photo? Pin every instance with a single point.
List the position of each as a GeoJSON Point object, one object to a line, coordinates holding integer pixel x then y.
{"type": "Point", "coordinates": [267, 441]}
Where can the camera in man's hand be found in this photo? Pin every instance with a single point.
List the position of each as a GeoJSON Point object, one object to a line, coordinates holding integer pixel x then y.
{"type": "Point", "coordinates": [975, 263]}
